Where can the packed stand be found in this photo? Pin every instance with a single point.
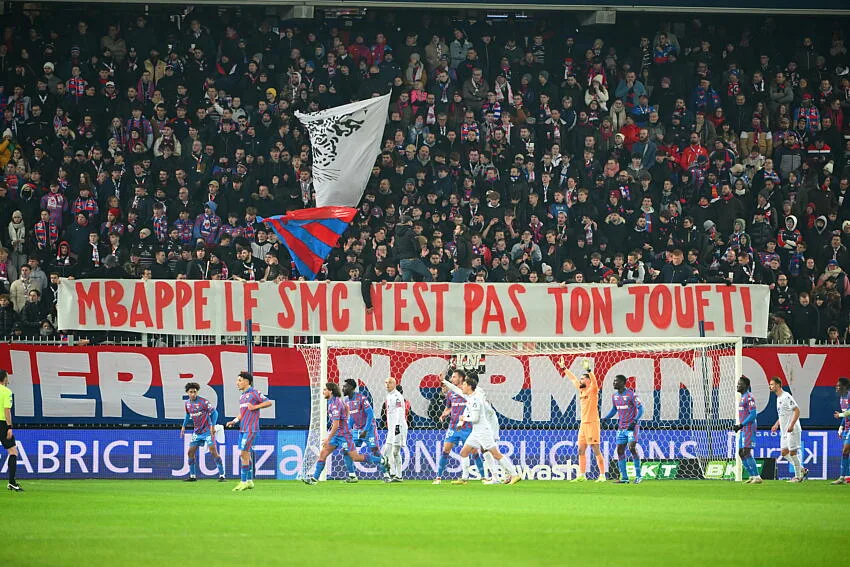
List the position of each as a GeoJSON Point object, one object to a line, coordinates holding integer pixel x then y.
{"type": "Point", "coordinates": [139, 149]}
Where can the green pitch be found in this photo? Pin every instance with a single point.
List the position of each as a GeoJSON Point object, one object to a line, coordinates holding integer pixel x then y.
{"type": "Point", "coordinates": [163, 523]}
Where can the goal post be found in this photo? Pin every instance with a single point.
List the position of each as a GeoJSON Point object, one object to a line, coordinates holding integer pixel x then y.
{"type": "Point", "coordinates": [687, 387]}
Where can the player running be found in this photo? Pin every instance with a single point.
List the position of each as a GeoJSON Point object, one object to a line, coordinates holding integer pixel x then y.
{"type": "Point", "coordinates": [482, 416]}
{"type": "Point", "coordinates": [7, 438]}
{"type": "Point", "coordinates": [843, 389]}
{"type": "Point", "coordinates": [250, 403]}
{"type": "Point", "coordinates": [339, 434]}
{"type": "Point", "coordinates": [588, 431]}
{"type": "Point", "coordinates": [792, 432]}
{"type": "Point", "coordinates": [203, 416]}
{"type": "Point", "coordinates": [361, 421]}
{"type": "Point", "coordinates": [629, 410]}
{"type": "Point", "coordinates": [396, 431]}
{"type": "Point", "coordinates": [456, 435]}
{"type": "Point", "coordinates": [746, 429]}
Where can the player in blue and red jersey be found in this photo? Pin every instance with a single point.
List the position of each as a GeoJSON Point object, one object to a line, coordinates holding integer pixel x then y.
{"type": "Point", "coordinates": [203, 416]}
{"type": "Point", "coordinates": [339, 434]}
{"type": "Point", "coordinates": [457, 433]}
{"type": "Point", "coordinates": [843, 389]}
{"type": "Point", "coordinates": [629, 410]}
{"type": "Point", "coordinates": [746, 428]}
{"type": "Point", "coordinates": [250, 403]}
{"type": "Point", "coordinates": [361, 421]}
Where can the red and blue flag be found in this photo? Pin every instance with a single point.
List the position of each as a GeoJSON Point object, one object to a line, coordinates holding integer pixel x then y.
{"type": "Point", "coordinates": [311, 234]}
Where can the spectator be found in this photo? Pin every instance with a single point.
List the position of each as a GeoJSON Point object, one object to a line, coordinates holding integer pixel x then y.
{"type": "Point", "coordinates": [21, 287]}
{"type": "Point", "coordinates": [805, 319]}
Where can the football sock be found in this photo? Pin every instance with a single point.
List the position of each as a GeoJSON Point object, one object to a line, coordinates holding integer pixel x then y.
{"type": "Point", "coordinates": [600, 462]}
{"type": "Point", "coordinates": [798, 468]}
{"type": "Point", "coordinates": [464, 464]}
{"type": "Point", "coordinates": [479, 463]}
{"type": "Point", "coordinates": [491, 464]}
{"type": "Point", "coordinates": [508, 465]}
{"type": "Point", "coordinates": [193, 468]}
{"type": "Point", "coordinates": [349, 464]}
{"type": "Point", "coordinates": [636, 461]}
{"type": "Point", "coordinates": [441, 468]}
{"type": "Point", "coordinates": [621, 464]}
{"type": "Point", "coordinates": [373, 458]}
{"type": "Point", "coordinates": [13, 468]}
{"type": "Point", "coordinates": [751, 466]}
{"type": "Point", "coordinates": [220, 465]}
{"type": "Point", "coordinates": [396, 461]}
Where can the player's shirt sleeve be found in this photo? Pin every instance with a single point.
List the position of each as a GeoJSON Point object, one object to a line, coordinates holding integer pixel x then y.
{"type": "Point", "coordinates": [455, 389]}
{"type": "Point", "coordinates": [6, 399]}
{"type": "Point", "coordinates": [187, 420]}
{"type": "Point", "coordinates": [792, 403]}
{"type": "Point", "coordinates": [336, 412]}
{"type": "Point", "coordinates": [474, 406]}
{"type": "Point", "coordinates": [370, 414]}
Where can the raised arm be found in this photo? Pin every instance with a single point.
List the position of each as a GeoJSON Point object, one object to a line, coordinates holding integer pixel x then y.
{"type": "Point", "coordinates": [567, 374]}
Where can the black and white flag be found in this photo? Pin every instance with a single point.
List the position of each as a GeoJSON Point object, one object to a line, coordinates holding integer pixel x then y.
{"type": "Point", "coordinates": [346, 140]}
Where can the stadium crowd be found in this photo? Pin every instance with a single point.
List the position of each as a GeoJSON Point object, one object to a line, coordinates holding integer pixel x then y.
{"type": "Point", "coordinates": [672, 153]}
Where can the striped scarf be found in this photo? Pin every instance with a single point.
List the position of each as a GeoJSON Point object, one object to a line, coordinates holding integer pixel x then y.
{"type": "Point", "coordinates": [77, 86]}
{"type": "Point", "coordinates": [160, 228]}
{"type": "Point", "coordinates": [46, 234]}
{"type": "Point", "coordinates": [184, 230]}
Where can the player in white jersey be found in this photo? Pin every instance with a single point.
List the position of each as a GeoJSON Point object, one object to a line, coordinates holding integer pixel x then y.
{"type": "Point", "coordinates": [396, 431]}
{"type": "Point", "coordinates": [483, 418]}
{"type": "Point", "coordinates": [789, 426]}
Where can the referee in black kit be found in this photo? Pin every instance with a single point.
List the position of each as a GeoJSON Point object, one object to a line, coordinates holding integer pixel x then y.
{"type": "Point", "coordinates": [6, 435]}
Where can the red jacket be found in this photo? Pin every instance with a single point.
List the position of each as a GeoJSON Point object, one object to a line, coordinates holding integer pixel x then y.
{"type": "Point", "coordinates": [690, 155]}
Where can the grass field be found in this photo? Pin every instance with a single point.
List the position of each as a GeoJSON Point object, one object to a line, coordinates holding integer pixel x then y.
{"type": "Point", "coordinates": [163, 523]}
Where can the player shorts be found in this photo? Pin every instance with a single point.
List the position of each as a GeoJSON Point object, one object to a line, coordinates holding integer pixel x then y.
{"type": "Point", "coordinates": [246, 440]}
{"type": "Point", "coordinates": [344, 441]}
{"type": "Point", "coordinates": [746, 439]}
{"type": "Point", "coordinates": [845, 435]}
{"type": "Point", "coordinates": [458, 437]}
{"type": "Point", "coordinates": [369, 439]}
{"type": "Point", "coordinates": [625, 436]}
{"type": "Point", "coordinates": [589, 434]}
{"type": "Point", "coordinates": [4, 429]}
{"type": "Point", "coordinates": [482, 440]}
{"type": "Point", "coordinates": [791, 441]}
{"type": "Point", "coordinates": [400, 439]}
{"type": "Point", "coordinates": [202, 440]}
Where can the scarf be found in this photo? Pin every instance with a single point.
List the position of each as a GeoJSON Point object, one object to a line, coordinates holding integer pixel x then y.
{"type": "Point", "coordinates": [20, 231]}
{"type": "Point", "coordinates": [95, 255]}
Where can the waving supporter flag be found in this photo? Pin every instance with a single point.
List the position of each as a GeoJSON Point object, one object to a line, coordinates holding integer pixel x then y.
{"type": "Point", "coordinates": [310, 234]}
{"type": "Point", "coordinates": [346, 140]}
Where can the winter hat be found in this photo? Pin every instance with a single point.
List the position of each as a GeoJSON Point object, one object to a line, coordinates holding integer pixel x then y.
{"type": "Point", "coordinates": [115, 212]}
{"type": "Point", "coordinates": [708, 225]}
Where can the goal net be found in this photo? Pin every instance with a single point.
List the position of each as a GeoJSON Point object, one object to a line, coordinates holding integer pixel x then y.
{"type": "Point", "coordinates": [687, 388]}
